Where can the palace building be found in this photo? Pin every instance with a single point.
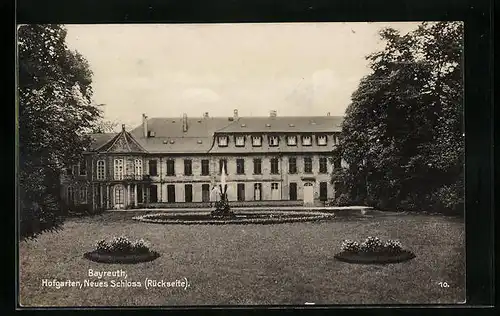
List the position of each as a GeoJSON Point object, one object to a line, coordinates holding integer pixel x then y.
{"type": "Point", "coordinates": [175, 162]}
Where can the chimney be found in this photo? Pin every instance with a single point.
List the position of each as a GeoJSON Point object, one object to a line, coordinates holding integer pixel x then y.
{"type": "Point", "coordinates": [328, 114]}
{"type": "Point", "coordinates": [235, 114]}
{"type": "Point", "coordinates": [145, 125]}
{"type": "Point", "coordinates": [205, 115]}
{"type": "Point", "coordinates": [273, 113]}
{"type": "Point", "coordinates": [184, 123]}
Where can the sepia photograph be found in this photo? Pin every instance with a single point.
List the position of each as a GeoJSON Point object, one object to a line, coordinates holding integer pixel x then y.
{"type": "Point", "coordinates": [240, 164]}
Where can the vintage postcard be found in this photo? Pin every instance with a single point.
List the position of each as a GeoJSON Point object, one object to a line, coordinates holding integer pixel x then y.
{"type": "Point", "coordinates": [241, 164]}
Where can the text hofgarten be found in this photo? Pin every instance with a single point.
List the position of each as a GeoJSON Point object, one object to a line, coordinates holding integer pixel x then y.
{"type": "Point", "coordinates": [119, 279]}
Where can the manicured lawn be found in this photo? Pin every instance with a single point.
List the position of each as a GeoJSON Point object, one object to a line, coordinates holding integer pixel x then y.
{"type": "Point", "coordinates": [250, 264]}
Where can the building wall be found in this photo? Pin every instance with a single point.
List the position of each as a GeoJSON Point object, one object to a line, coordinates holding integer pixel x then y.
{"type": "Point", "coordinates": [283, 179]}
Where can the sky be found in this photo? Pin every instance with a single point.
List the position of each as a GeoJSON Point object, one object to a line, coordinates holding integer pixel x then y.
{"type": "Point", "coordinates": [166, 70]}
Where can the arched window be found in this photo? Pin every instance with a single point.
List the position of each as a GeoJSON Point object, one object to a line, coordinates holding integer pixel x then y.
{"type": "Point", "coordinates": [322, 140]}
{"type": "Point", "coordinates": [118, 169]}
{"type": "Point", "coordinates": [101, 170]}
{"type": "Point", "coordinates": [70, 196]}
{"type": "Point", "coordinates": [83, 195]}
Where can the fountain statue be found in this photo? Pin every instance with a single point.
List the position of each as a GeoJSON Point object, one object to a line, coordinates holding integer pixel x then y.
{"type": "Point", "coordinates": [222, 208]}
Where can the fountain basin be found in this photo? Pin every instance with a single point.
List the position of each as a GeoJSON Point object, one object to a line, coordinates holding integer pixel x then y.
{"type": "Point", "coordinates": [257, 217]}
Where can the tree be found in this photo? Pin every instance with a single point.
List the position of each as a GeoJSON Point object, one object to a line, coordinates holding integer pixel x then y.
{"type": "Point", "coordinates": [55, 116]}
{"type": "Point", "coordinates": [403, 132]}
{"type": "Point", "coordinates": [105, 126]}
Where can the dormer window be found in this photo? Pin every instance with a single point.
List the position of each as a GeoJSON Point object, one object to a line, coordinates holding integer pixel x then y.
{"type": "Point", "coordinates": [292, 140]}
{"type": "Point", "coordinates": [306, 141]}
{"type": "Point", "coordinates": [222, 141]}
{"type": "Point", "coordinates": [322, 140]}
{"type": "Point", "coordinates": [240, 141]}
{"type": "Point", "coordinates": [335, 139]}
{"type": "Point", "coordinates": [151, 134]}
{"type": "Point", "coordinates": [256, 141]}
{"type": "Point", "coordinates": [273, 141]}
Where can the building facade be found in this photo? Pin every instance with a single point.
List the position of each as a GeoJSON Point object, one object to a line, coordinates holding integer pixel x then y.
{"type": "Point", "coordinates": [177, 162]}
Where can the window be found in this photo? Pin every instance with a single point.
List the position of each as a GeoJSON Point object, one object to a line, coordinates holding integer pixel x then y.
{"type": "Point", "coordinates": [306, 141]}
{"type": "Point", "coordinates": [170, 167]}
{"type": "Point", "coordinates": [273, 141]}
{"type": "Point", "coordinates": [222, 163]}
{"type": "Point", "coordinates": [257, 166]}
{"type": "Point", "coordinates": [322, 140]}
{"type": "Point", "coordinates": [70, 195]}
{"type": "Point", "coordinates": [69, 171]}
{"type": "Point", "coordinates": [337, 163]}
{"type": "Point", "coordinates": [240, 166]}
{"type": "Point", "coordinates": [292, 140]}
{"type": "Point", "coordinates": [256, 141]}
{"type": "Point", "coordinates": [274, 186]}
{"type": "Point", "coordinates": [82, 166]}
{"type": "Point", "coordinates": [222, 141]}
{"type": "Point", "coordinates": [335, 139]}
{"type": "Point", "coordinates": [240, 141]}
{"type": "Point", "coordinates": [83, 195]}
{"type": "Point", "coordinates": [118, 169]}
{"type": "Point", "coordinates": [205, 192]}
{"type": "Point", "coordinates": [153, 170]}
{"type": "Point", "coordinates": [188, 193]}
{"type": "Point", "coordinates": [292, 165]}
{"type": "Point", "coordinates": [188, 167]}
{"type": "Point", "coordinates": [322, 165]}
{"type": "Point", "coordinates": [241, 192]}
{"type": "Point", "coordinates": [274, 166]}
{"type": "Point", "coordinates": [101, 170]}
{"type": "Point", "coordinates": [338, 189]}
{"type": "Point", "coordinates": [307, 164]}
{"type": "Point", "coordinates": [138, 168]}
{"type": "Point", "coordinates": [205, 167]}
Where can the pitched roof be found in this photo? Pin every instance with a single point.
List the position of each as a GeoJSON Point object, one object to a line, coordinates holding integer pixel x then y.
{"type": "Point", "coordinates": [123, 142]}
{"type": "Point", "coordinates": [172, 127]}
{"type": "Point", "coordinates": [285, 124]}
{"type": "Point", "coordinates": [170, 137]}
{"type": "Point", "coordinates": [99, 139]}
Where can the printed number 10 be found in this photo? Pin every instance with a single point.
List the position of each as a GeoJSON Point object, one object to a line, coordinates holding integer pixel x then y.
{"type": "Point", "coordinates": [443, 284]}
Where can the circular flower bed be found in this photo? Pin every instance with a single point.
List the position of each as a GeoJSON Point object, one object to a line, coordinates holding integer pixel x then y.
{"type": "Point", "coordinates": [121, 250]}
{"type": "Point", "coordinates": [258, 217]}
{"type": "Point", "coordinates": [373, 251]}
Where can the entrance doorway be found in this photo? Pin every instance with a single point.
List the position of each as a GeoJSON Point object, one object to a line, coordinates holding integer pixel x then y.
{"type": "Point", "coordinates": [171, 193]}
{"type": "Point", "coordinates": [323, 191]}
{"type": "Point", "coordinates": [153, 194]}
{"type": "Point", "coordinates": [257, 192]}
{"type": "Point", "coordinates": [119, 197]}
{"type": "Point", "coordinates": [293, 191]}
{"type": "Point", "coordinates": [275, 194]}
{"type": "Point", "coordinates": [241, 192]}
{"type": "Point", "coordinates": [308, 193]}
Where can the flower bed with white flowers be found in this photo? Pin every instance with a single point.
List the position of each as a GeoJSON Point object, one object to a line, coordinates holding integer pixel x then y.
{"type": "Point", "coordinates": [257, 217]}
{"type": "Point", "coordinates": [372, 251]}
{"type": "Point", "coordinates": [121, 250]}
